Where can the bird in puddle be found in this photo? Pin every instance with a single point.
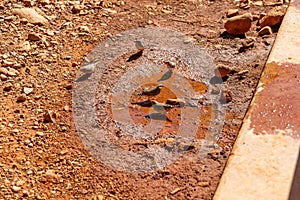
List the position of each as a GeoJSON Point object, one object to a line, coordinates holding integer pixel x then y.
{"type": "Point", "coordinates": [147, 103]}
{"type": "Point", "coordinates": [168, 74]}
{"type": "Point", "coordinates": [161, 106]}
{"type": "Point", "coordinates": [152, 91]}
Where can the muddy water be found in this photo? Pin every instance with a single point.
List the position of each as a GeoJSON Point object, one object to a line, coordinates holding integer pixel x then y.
{"type": "Point", "coordinates": [173, 117]}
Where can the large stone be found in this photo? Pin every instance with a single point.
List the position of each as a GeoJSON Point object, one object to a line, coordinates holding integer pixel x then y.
{"type": "Point", "coordinates": [273, 18]}
{"type": "Point", "coordinates": [31, 15]}
{"type": "Point", "coordinates": [238, 25]}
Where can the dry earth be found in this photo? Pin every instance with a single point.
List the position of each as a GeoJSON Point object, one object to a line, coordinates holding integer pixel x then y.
{"type": "Point", "coordinates": [41, 154]}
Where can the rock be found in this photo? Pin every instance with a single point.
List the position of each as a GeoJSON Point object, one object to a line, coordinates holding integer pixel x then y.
{"type": "Point", "coordinates": [20, 182]}
{"type": "Point", "coordinates": [31, 15]}
{"type": "Point", "coordinates": [69, 86]}
{"type": "Point", "coordinates": [3, 71]}
{"type": "Point", "coordinates": [39, 133]}
{"type": "Point", "coordinates": [84, 29]}
{"type": "Point", "coordinates": [49, 117]}
{"type": "Point", "coordinates": [265, 31]}
{"type": "Point", "coordinates": [23, 21]}
{"type": "Point", "coordinates": [243, 72]}
{"type": "Point", "coordinates": [68, 57]}
{"type": "Point", "coordinates": [27, 90]}
{"type": "Point", "coordinates": [44, 2]}
{"type": "Point", "coordinates": [222, 71]}
{"type": "Point", "coordinates": [25, 193]}
{"type": "Point", "coordinates": [266, 3]}
{"type": "Point", "coordinates": [3, 77]}
{"type": "Point", "coordinates": [33, 37]}
{"type": "Point", "coordinates": [7, 87]}
{"type": "Point", "coordinates": [18, 66]}
{"type": "Point", "coordinates": [28, 2]}
{"type": "Point", "coordinates": [258, 3]}
{"type": "Point", "coordinates": [239, 24]}
{"type": "Point", "coordinates": [7, 63]}
{"type": "Point", "coordinates": [21, 98]}
{"type": "Point", "coordinates": [51, 176]}
{"type": "Point", "coordinates": [232, 12]}
{"type": "Point", "coordinates": [111, 11]}
{"type": "Point", "coordinates": [12, 72]}
{"type": "Point", "coordinates": [149, 22]}
{"type": "Point", "coordinates": [15, 130]}
{"type": "Point", "coordinates": [9, 18]}
{"type": "Point", "coordinates": [203, 184]}
{"type": "Point", "coordinates": [247, 43]}
{"type": "Point", "coordinates": [16, 188]}
{"type": "Point", "coordinates": [98, 197]}
{"type": "Point", "coordinates": [77, 8]}
{"type": "Point", "coordinates": [274, 17]}
{"type": "Point", "coordinates": [175, 191]}
{"type": "Point", "coordinates": [67, 108]}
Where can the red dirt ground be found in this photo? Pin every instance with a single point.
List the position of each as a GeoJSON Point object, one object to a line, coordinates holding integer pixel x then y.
{"type": "Point", "coordinates": [47, 160]}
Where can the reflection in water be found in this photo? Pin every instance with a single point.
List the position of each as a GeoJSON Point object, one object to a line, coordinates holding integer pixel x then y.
{"type": "Point", "coordinates": [158, 116]}
{"type": "Point", "coordinates": [143, 109]}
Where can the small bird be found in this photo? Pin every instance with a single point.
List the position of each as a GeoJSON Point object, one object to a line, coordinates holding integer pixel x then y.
{"type": "Point", "coordinates": [161, 106]}
{"type": "Point", "coordinates": [152, 91]}
{"type": "Point", "coordinates": [168, 74]}
{"type": "Point", "coordinates": [170, 64]}
{"type": "Point", "coordinates": [89, 68]}
{"type": "Point", "coordinates": [139, 45]}
{"type": "Point", "coordinates": [147, 103]}
{"type": "Point", "coordinates": [176, 102]}
{"type": "Point", "coordinates": [87, 71]}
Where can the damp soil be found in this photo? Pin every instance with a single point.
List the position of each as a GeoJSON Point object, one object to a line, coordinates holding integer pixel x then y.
{"type": "Point", "coordinates": [40, 160]}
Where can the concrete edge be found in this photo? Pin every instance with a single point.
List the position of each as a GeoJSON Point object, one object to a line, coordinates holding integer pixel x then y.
{"type": "Point", "coordinates": [264, 157]}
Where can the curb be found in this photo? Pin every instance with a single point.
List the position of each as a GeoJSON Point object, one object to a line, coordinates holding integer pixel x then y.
{"type": "Point", "coordinates": [264, 158]}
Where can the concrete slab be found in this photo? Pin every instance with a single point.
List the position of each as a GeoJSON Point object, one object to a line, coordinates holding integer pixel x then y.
{"type": "Point", "coordinates": [264, 158]}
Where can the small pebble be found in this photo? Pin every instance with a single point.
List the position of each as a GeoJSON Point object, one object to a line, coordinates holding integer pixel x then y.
{"type": "Point", "coordinates": [21, 98]}
{"type": "Point", "coordinates": [232, 12]}
{"type": "Point", "coordinates": [16, 188]}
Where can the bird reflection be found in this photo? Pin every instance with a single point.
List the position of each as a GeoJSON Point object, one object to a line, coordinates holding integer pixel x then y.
{"type": "Point", "coordinates": [158, 116]}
